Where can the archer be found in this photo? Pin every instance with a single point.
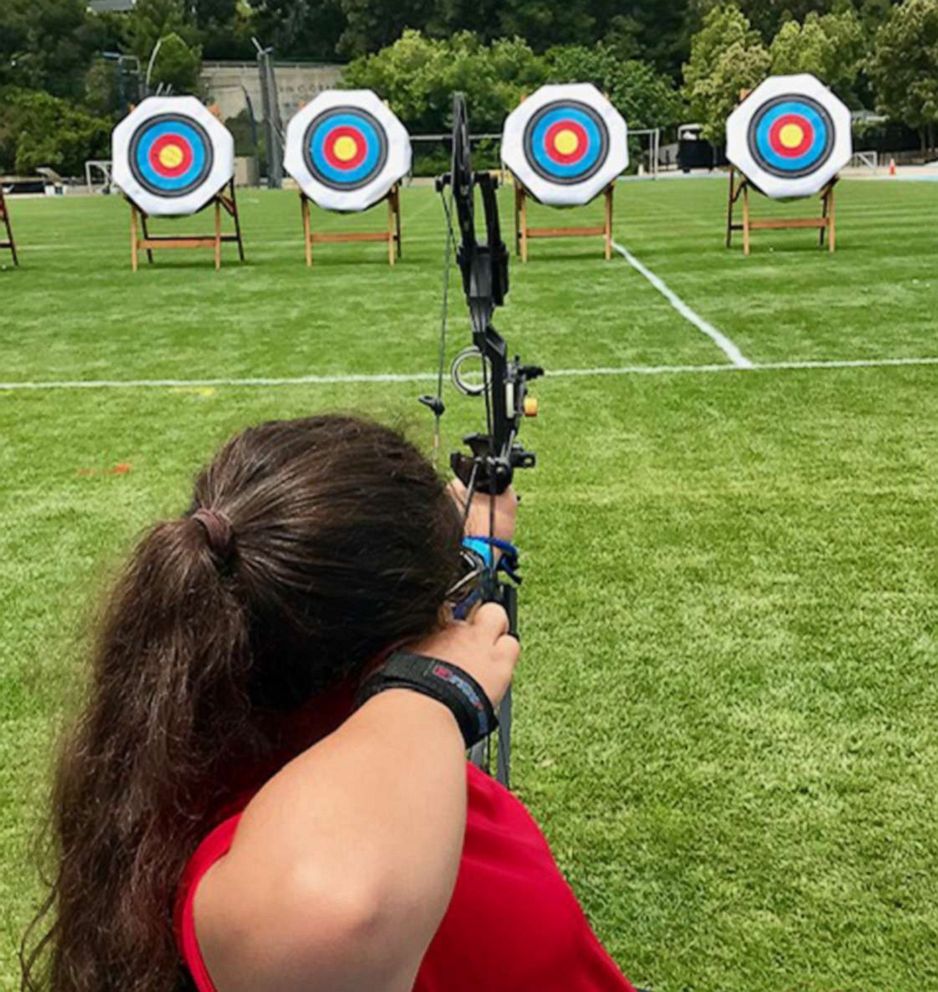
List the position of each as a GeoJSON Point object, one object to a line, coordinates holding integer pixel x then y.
{"type": "Point", "coordinates": [267, 789]}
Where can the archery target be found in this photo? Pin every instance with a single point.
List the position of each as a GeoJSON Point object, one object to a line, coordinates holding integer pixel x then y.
{"type": "Point", "coordinates": [790, 136]}
{"type": "Point", "coordinates": [565, 144]}
{"type": "Point", "coordinates": [171, 155]}
{"type": "Point", "coordinates": [346, 149]}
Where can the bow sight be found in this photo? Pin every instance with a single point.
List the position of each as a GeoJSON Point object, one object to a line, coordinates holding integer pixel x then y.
{"type": "Point", "coordinates": [495, 454]}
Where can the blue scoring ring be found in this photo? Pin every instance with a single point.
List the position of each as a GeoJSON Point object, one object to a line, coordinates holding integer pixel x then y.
{"type": "Point", "coordinates": [318, 132]}
{"type": "Point", "coordinates": [192, 133]}
{"type": "Point", "coordinates": [784, 166]}
{"type": "Point", "coordinates": [535, 142]}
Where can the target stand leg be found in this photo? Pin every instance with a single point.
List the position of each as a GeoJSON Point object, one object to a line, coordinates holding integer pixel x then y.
{"type": "Point", "coordinates": [390, 235]}
{"type": "Point", "coordinates": [8, 226]}
{"type": "Point", "coordinates": [150, 242]}
{"type": "Point", "coordinates": [603, 230]}
{"type": "Point", "coordinates": [217, 235]}
{"type": "Point", "coordinates": [396, 198]}
{"type": "Point", "coordinates": [610, 192]}
{"type": "Point", "coordinates": [518, 196]}
{"type": "Point", "coordinates": [747, 222]}
{"type": "Point", "coordinates": [134, 239]}
{"type": "Point", "coordinates": [230, 203]}
{"type": "Point", "coordinates": [392, 240]}
{"type": "Point", "coordinates": [829, 227]}
{"type": "Point", "coordinates": [307, 234]}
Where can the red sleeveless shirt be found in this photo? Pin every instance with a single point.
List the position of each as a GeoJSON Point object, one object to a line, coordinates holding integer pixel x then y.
{"type": "Point", "coordinates": [513, 923]}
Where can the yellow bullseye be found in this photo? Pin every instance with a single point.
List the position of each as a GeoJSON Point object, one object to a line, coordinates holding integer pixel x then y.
{"type": "Point", "coordinates": [171, 156]}
{"type": "Point", "coordinates": [345, 148]}
{"type": "Point", "coordinates": [791, 135]}
{"type": "Point", "coordinates": [566, 142]}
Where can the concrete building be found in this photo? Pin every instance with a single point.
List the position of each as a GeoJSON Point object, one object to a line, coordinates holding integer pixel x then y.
{"type": "Point", "coordinates": [297, 83]}
{"type": "Point", "coordinates": [111, 6]}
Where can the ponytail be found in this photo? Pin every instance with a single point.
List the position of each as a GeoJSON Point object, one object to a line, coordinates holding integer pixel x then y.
{"type": "Point", "coordinates": [311, 546]}
{"type": "Point", "coordinates": [140, 771]}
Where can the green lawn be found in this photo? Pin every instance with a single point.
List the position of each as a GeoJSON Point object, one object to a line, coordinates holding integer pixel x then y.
{"type": "Point", "coordinates": [727, 703]}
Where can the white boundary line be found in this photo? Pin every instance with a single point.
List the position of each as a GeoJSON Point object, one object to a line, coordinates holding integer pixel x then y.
{"type": "Point", "coordinates": [725, 345]}
{"type": "Point", "coordinates": [584, 373]}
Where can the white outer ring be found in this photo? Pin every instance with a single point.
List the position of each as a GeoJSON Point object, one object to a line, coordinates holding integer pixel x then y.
{"type": "Point", "coordinates": [352, 201]}
{"type": "Point", "coordinates": [222, 156]}
{"type": "Point", "coordinates": [737, 136]}
{"type": "Point", "coordinates": [556, 194]}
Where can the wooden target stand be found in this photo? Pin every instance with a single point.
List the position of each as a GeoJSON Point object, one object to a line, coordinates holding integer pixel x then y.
{"type": "Point", "coordinates": [224, 200]}
{"type": "Point", "coordinates": [523, 233]}
{"type": "Point", "coordinates": [826, 224]}
{"type": "Point", "coordinates": [392, 235]}
{"type": "Point", "coordinates": [5, 217]}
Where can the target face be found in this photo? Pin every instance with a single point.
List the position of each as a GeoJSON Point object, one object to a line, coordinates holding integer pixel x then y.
{"type": "Point", "coordinates": [790, 137]}
{"type": "Point", "coordinates": [346, 150]}
{"type": "Point", "coordinates": [565, 144]}
{"type": "Point", "coordinates": [171, 155]}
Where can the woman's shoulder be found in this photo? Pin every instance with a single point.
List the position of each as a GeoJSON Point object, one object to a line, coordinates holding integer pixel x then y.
{"type": "Point", "coordinates": [214, 846]}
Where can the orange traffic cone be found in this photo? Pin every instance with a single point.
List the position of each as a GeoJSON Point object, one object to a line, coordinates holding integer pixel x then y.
{"type": "Point", "coordinates": [892, 167]}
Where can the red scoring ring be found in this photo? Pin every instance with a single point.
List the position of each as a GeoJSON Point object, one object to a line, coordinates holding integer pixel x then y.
{"type": "Point", "coordinates": [775, 140]}
{"type": "Point", "coordinates": [345, 131]}
{"type": "Point", "coordinates": [550, 148]}
{"type": "Point", "coordinates": [170, 172]}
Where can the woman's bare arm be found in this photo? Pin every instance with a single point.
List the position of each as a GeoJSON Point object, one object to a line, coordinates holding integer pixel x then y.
{"type": "Point", "coordinates": [344, 863]}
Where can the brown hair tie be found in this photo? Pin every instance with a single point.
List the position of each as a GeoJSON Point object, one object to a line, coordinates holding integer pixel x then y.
{"type": "Point", "coordinates": [218, 531]}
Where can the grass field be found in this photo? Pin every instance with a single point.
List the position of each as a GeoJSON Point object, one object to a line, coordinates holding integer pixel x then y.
{"type": "Point", "coordinates": [726, 710]}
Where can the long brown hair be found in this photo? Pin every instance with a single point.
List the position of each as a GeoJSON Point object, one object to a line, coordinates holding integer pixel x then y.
{"type": "Point", "coordinates": [327, 540]}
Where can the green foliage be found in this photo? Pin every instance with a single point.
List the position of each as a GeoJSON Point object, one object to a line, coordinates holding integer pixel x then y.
{"type": "Point", "coordinates": [727, 57]}
{"type": "Point", "coordinates": [47, 44]}
{"type": "Point", "coordinates": [37, 129]}
{"type": "Point", "coordinates": [904, 66]}
{"type": "Point", "coordinates": [177, 65]}
{"type": "Point", "coordinates": [768, 16]}
{"type": "Point", "coordinates": [309, 30]}
{"type": "Point", "coordinates": [418, 75]}
{"type": "Point", "coordinates": [644, 97]}
{"type": "Point", "coordinates": [831, 47]}
{"type": "Point", "coordinates": [155, 19]}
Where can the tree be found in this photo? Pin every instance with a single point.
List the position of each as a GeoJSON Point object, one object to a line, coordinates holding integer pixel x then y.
{"type": "Point", "coordinates": [176, 66]}
{"type": "Point", "coordinates": [308, 29]}
{"type": "Point", "coordinates": [46, 44]}
{"type": "Point", "coordinates": [904, 67]}
{"type": "Point", "coordinates": [418, 75]}
{"type": "Point", "coordinates": [37, 129]}
{"type": "Point", "coordinates": [155, 19]}
{"type": "Point", "coordinates": [727, 57]}
{"type": "Point", "coordinates": [372, 25]}
{"type": "Point", "coordinates": [832, 47]}
{"type": "Point", "coordinates": [644, 97]}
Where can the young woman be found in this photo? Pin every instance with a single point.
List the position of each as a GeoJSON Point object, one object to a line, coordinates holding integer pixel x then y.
{"type": "Point", "coordinates": [233, 813]}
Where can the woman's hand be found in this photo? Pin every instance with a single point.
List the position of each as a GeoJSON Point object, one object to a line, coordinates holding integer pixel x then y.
{"type": "Point", "coordinates": [479, 519]}
{"type": "Point", "coordinates": [480, 646]}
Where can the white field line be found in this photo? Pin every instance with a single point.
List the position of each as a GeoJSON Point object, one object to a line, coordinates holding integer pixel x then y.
{"type": "Point", "coordinates": [584, 373]}
{"type": "Point", "coordinates": [725, 345]}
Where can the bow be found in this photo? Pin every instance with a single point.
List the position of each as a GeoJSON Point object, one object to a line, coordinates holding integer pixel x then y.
{"type": "Point", "coordinates": [493, 455]}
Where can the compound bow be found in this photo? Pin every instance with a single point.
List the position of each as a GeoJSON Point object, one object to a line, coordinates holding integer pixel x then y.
{"type": "Point", "coordinates": [494, 455]}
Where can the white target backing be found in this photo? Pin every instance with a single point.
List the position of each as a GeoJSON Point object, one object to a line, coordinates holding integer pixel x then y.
{"type": "Point", "coordinates": [790, 137]}
{"type": "Point", "coordinates": [346, 149]}
{"type": "Point", "coordinates": [171, 155]}
{"type": "Point", "coordinates": [565, 144]}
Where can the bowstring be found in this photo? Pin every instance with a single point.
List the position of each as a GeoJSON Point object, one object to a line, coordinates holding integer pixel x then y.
{"type": "Point", "coordinates": [444, 326]}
